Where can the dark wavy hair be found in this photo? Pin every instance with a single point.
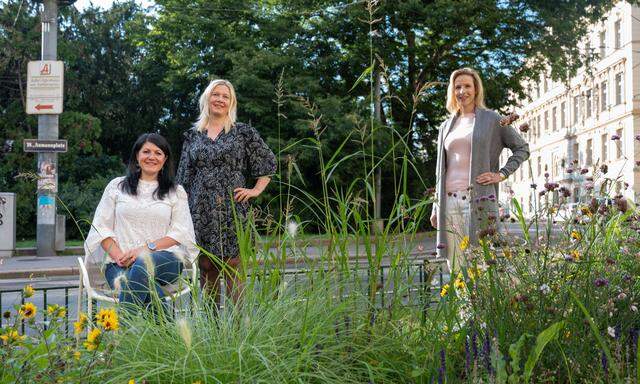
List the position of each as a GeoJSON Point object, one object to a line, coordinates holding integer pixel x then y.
{"type": "Point", "coordinates": [166, 177]}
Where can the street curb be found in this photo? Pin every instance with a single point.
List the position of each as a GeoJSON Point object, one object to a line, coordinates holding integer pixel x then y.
{"type": "Point", "coordinates": [52, 272]}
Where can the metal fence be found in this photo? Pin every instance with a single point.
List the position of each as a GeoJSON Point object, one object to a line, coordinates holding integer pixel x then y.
{"type": "Point", "coordinates": [415, 279]}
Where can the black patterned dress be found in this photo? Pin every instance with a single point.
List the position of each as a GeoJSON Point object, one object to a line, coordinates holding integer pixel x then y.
{"type": "Point", "coordinates": [210, 170]}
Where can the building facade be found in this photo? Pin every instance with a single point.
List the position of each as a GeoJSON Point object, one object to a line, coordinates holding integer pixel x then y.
{"type": "Point", "coordinates": [591, 120]}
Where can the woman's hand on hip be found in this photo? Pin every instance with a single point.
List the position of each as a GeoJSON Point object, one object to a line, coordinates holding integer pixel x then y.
{"type": "Point", "coordinates": [244, 194]}
{"type": "Point", "coordinates": [489, 178]}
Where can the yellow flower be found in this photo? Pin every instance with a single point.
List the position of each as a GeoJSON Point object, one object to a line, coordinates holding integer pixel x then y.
{"type": "Point", "coordinates": [459, 282]}
{"type": "Point", "coordinates": [27, 291]}
{"type": "Point", "coordinates": [108, 319]}
{"type": "Point", "coordinates": [11, 336]}
{"type": "Point", "coordinates": [507, 253]}
{"type": "Point", "coordinates": [56, 311]}
{"type": "Point", "coordinates": [76, 355]}
{"type": "Point", "coordinates": [444, 290]}
{"type": "Point", "coordinates": [575, 254]}
{"type": "Point", "coordinates": [553, 210]}
{"type": "Point", "coordinates": [464, 243]}
{"type": "Point", "coordinates": [473, 273]}
{"type": "Point", "coordinates": [93, 339]}
{"type": "Point", "coordinates": [81, 324]}
{"type": "Point", "coordinates": [132, 381]}
{"type": "Point", "coordinates": [576, 235]}
{"type": "Point", "coordinates": [27, 310]}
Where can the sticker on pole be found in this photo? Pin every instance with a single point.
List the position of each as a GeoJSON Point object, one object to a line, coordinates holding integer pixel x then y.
{"type": "Point", "coordinates": [45, 81]}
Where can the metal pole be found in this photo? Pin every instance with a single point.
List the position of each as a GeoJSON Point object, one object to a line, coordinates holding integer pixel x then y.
{"type": "Point", "coordinates": [48, 129]}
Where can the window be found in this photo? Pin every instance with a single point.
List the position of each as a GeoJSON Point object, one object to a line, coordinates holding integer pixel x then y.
{"type": "Point", "coordinates": [587, 100]}
{"type": "Point", "coordinates": [603, 147]}
{"type": "Point", "coordinates": [539, 166]}
{"type": "Point", "coordinates": [538, 126]}
{"type": "Point", "coordinates": [619, 143]}
{"type": "Point", "coordinates": [544, 85]}
{"type": "Point", "coordinates": [619, 88]}
{"type": "Point", "coordinates": [563, 114]}
{"type": "Point", "coordinates": [589, 152]}
{"type": "Point", "coordinates": [546, 121]}
{"type": "Point", "coordinates": [603, 96]}
{"type": "Point", "coordinates": [554, 118]}
{"type": "Point", "coordinates": [617, 33]}
{"type": "Point", "coordinates": [576, 108]}
{"type": "Point", "coordinates": [603, 43]}
{"type": "Point", "coordinates": [576, 152]}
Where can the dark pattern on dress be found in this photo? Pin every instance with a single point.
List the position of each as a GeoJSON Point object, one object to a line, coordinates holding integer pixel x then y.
{"type": "Point", "coordinates": [210, 170]}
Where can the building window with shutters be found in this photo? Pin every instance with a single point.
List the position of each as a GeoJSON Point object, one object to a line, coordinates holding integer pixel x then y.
{"type": "Point", "coordinates": [619, 143]}
{"type": "Point", "coordinates": [589, 152]}
{"type": "Point", "coordinates": [563, 114]}
{"type": "Point", "coordinates": [576, 109]}
{"type": "Point", "coordinates": [587, 101]}
{"type": "Point", "coordinates": [554, 118]}
{"type": "Point", "coordinates": [603, 44]}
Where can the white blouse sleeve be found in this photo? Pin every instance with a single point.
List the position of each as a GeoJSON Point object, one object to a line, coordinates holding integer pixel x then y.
{"type": "Point", "coordinates": [102, 226]}
{"type": "Point", "coordinates": [181, 227]}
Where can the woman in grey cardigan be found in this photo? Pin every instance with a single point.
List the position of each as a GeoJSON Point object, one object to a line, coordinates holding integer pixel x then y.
{"type": "Point", "coordinates": [467, 169]}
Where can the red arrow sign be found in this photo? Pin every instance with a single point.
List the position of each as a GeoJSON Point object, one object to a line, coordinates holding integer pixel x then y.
{"type": "Point", "coordinates": [44, 106]}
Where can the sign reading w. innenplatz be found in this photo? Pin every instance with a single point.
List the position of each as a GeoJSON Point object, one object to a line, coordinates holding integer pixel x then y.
{"type": "Point", "coordinates": [45, 81]}
{"type": "Point", "coordinates": [35, 145]}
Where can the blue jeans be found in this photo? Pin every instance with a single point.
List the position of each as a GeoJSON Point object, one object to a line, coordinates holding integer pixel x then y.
{"type": "Point", "coordinates": [135, 286]}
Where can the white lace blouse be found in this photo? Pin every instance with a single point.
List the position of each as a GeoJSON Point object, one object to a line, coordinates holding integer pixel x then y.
{"type": "Point", "coordinates": [132, 221]}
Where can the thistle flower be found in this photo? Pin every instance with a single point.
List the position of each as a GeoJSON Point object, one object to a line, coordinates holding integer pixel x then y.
{"type": "Point", "coordinates": [621, 204]}
{"type": "Point", "coordinates": [524, 127]}
{"type": "Point", "coordinates": [615, 137]}
{"type": "Point", "coordinates": [584, 171]}
{"type": "Point", "coordinates": [27, 310]}
{"type": "Point", "coordinates": [441, 246]}
{"type": "Point", "coordinates": [569, 170]}
{"type": "Point", "coordinates": [601, 282]}
{"type": "Point", "coordinates": [604, 168]}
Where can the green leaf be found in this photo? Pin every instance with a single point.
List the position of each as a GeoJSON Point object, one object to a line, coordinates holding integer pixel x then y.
{"type": "Point", "coordinates": [363, 76]}
{"type": "Point", "coordinates": [541, 341]}
{"type": "Point", "coordinates": [514, 353]}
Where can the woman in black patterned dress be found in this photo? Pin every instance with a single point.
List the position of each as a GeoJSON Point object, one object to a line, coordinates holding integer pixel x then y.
{"type": "Point", "coordinates": [217, 154]}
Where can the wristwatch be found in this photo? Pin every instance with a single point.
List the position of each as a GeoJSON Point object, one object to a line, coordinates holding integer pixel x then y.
{"type": "Point", "coordinates": [503, 176]}
{"type": "Point", "coordinates": [152, 246]}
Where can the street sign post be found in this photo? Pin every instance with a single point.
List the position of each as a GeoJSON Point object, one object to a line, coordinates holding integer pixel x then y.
{"type": "Point", "coordinates": [45, 82]}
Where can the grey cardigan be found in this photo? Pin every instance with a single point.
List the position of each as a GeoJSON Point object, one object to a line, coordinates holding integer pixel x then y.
{"type": "Point", "coordinates": [488, 140]}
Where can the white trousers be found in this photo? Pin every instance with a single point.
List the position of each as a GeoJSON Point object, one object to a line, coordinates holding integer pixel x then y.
{"type": "Point", "coordinates": [456, 227]}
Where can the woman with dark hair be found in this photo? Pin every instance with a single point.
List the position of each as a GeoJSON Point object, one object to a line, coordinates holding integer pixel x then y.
{"type": "Point", "coordinates": [468, 167]}
{"type": "Point", "coordinates": [142, 223]}
{"type": "Point", "coordinates": [217, 156]}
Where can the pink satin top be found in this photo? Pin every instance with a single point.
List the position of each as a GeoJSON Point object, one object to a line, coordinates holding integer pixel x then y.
{"type": "Point", "coordinates": [457, 145]}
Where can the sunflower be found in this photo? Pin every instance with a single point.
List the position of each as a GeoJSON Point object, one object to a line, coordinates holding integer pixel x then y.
{"type": "Point", "coordinates": [81, 324]}
{"type": "Point", "coordinates": [27, 310]}
{"type": "Point", "coordinates": [27, 291]}
{"type": "Point", "coordinates": [108, 319]}
{"type": "Point", "coordinates": [93, 339]}
{"type": "Point", "coordinates": [11, 337]}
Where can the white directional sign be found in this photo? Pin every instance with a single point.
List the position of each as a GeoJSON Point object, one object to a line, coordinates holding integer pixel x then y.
{"type": "Point", "coordinates": [45, 81]}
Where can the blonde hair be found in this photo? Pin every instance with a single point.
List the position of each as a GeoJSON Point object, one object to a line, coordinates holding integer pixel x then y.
{"type": "Point", "coordinates": [452, 102]}
{"type": "Point", "coordinates": [203, 120]}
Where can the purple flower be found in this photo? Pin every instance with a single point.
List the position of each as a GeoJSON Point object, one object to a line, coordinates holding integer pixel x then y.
{"type": "Point", "coordinates": [615, 137]}
{"type": "Point", "coordinates": [605, 364]}
{"type": "Point", "coordinates": [546, 175]}
{"type": "Point", "coordinates": [542, 193]}
{"type": "Point", "coordinates": [601, 282]}
{"type": "Point", "coordinates": [443, 366]}
{"type": "Point", "coordinates": [486, 349]}
{"type": "Point", "coordinates": [534, 186]}
{"type": "Point", "coordinates": [467, 353]}
{"type": "Point", "coordinates": [584, 171]}
{"type": "Point", "coordinates": [569, 170]}
{"type": "Point", "coordinates": [638, 137]}
{"type": "Point", "coordinates": [441, 246]}
{"type": "Point", "coordinates": [604, 168]}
